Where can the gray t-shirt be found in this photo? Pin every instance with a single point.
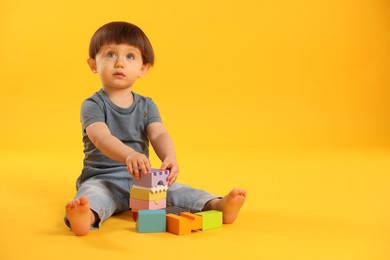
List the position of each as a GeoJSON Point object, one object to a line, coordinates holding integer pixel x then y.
{"type": "Point", "coordinates": [127, 124]}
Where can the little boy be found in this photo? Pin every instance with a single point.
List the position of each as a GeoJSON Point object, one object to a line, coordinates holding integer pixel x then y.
{"type": "Point", "coordinates": [118, 125]}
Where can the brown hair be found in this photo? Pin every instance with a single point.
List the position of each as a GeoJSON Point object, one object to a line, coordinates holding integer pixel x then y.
{"type": "Point", "coordinates": [119, 33]}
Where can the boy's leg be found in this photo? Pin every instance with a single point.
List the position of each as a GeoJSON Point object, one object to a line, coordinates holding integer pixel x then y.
{"type": "Point", "coordinates": [198, 200]}
{"type": "Point", "coordinates": [104, 195]}
{"type": "Point", "coordinates": [79, 216]}
{"type": "Point", "coordinates": [230, 205]}
{"type": "Point", "coordinates": [185, 196]}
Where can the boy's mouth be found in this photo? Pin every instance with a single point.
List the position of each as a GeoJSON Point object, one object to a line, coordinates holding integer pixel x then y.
{"type": "Point", "coordinates": [119, 74]}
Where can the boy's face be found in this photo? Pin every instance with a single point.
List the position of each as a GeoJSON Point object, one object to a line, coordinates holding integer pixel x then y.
{"type": "Point", "coordinates": [118, 65]}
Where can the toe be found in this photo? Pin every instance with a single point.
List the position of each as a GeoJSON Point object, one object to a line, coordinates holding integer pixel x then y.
{"type": "Point", "coordinates": [83, 200]}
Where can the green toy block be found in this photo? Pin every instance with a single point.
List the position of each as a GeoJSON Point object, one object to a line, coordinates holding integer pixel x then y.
{"type": "Point", "coordinates": [150, 221]}
{"type": "Point", "coordinates": [211, 219]}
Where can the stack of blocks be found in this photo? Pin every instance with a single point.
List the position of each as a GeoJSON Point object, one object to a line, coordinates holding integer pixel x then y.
{"type": "Point", "coordinates": [148, 203]}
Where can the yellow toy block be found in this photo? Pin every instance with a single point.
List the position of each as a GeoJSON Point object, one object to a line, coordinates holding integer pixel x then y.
{"type": "Point", "coordinates": [146, 194]}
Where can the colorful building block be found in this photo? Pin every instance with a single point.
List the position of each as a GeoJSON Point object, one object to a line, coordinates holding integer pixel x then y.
{"type": "Point", "coordinates": [134, 214]}
{"type": "Point", "coordinates": [211, 219]}
{"type": "Point", "coordinates": [148, 194]}
{"type": "Point", "coordinates": [183, 224]}
{"type": "Point", "coordinates": [195, 221]}
{"type": "Point", "coordinates": [153, 178]}
{"type": "Point", "coordinates": [151, 221]}
{"type": "Point", "coordinates": [146, 204]}
{"type": "Point", "coordinates": [178, 225]}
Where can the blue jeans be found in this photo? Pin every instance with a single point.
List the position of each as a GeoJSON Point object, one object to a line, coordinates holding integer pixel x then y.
{"type": "Point", "coordinates": [109, 194]}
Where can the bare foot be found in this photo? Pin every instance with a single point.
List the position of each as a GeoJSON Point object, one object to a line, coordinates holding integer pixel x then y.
{"type": "Point", "coordinates": [80, 216]}
{"type": "Point", "coordinates": [230, 205]}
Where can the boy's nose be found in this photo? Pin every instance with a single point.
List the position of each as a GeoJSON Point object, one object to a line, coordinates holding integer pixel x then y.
{"type": "Point", "coordinates": [119, 63]}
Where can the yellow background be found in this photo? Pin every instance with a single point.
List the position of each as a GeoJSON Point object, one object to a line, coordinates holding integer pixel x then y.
{"type": "Point", "coordinates": [288, 99]}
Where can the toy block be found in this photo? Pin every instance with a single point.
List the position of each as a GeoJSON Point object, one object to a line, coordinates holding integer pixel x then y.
{"type": "Point", "coordinates": [146, 204]}
{"type": "Point", "coordinates": [151, 221]}
{"type": "Point", "coordinates": [134, 215]}
{"type": "Point", "coordinates": [153, 178]}
{"type": "Point", "coordinates": [174, 209]}
{"type": "Point", "coordinates": [147, 194]}
{"type": "Point", "coordinates": [178, 225]}
{"type": "Point", "coordinates": [211, 219]}
{"type": "Point", "coordinates": [183, 224]}
{"type": "Point", "coordinates": [196, 221]}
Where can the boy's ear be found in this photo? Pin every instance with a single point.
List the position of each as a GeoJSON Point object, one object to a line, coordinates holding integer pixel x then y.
{"type": "Point", "coordinates": [92, 64]}
{"type": "Point", "coordinates": [145, 68]}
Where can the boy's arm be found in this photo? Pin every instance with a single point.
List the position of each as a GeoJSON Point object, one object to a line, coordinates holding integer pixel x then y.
{"type": "Point", "coordinates": [163, 146]}
{"type": "Point", "coordinates": [100, 135]}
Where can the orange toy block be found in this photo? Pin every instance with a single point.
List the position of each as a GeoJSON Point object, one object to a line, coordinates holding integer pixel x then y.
{"type": "Point", "coordinates": [183, 224]}
{"type": "Point", "coordinates": [178, 225]}
{"type": "Point", "coordinates": [196, 221]}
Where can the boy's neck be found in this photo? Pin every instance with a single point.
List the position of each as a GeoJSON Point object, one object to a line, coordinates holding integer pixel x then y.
{"type": "Point", "coordinates": [120, 97]}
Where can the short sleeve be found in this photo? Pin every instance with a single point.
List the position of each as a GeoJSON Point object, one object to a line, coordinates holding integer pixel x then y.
{"type": "Point", "coordinates": [91, 112]}
{"type": "Point", "coordinates": [153, 114]}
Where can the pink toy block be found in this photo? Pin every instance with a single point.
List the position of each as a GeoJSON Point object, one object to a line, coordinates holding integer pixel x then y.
{"type": "Point", "coordinates": [146, 204]}
{"type": "Point", "coordinates": [153, 178]}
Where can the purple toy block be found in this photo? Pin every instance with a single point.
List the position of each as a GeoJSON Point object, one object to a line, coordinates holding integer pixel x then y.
{"type": "Point", "coordinates": [153, 178]}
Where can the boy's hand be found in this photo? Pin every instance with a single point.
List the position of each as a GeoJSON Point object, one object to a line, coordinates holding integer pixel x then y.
{"type": "Point", "coordinates": [137, 163]}
{"type": "Point", "coordinates": [173, 168]}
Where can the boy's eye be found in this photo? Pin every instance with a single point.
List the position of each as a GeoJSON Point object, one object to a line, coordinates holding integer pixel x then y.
{"type": "Point", "coordinates": [111, 54]}
{"type": "Point", "coordinates": [130, 56]}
